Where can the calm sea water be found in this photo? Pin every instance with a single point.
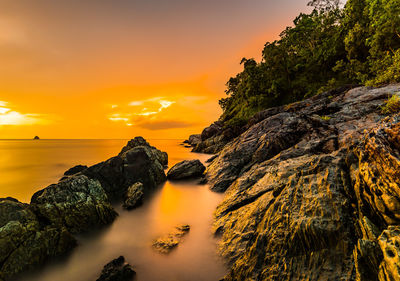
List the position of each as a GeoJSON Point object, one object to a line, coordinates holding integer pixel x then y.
{"type": "Point", "coordinates": [27, 166]}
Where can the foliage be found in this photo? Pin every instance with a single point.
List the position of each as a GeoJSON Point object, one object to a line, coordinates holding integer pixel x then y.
{"type": "Point", "coordinates": [325, 49]}
{"type": "Point", "coordinates": [392, 105]}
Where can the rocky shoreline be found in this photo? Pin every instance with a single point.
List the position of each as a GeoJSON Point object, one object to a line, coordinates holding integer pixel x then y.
{"type": "Point", "coordinates": [312, 190]}
{"type": "Point", "coordinates": [31, 234]}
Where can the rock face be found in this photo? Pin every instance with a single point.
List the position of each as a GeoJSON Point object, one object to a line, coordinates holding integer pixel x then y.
{"type": "Point", "coordinates": [186, 169]}
{"type": "Point", "coordinates": [134, 196]}
{"type": "Point", "coordinates": [117, 270]}
{"type": "Point", "coordinates": [74, 170]}
{"type": "Point", "coordinates": [194, 139]}
{"type": "Point", "coordinates": [313, 191]}
{"type": "Point", "coordinates": [27, 240]}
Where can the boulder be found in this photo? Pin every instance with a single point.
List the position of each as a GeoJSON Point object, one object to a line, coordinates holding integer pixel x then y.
{"type": "Point", "coordinates": [194, 139]}
{"type": "Point", "coordinates": [117, 270]}
{"type": "Point", "coordinates": [212, 130]}
{"type": "Point", "coordinates": [137, 162]}
{"type": "Point", "coordinates": [78, 203]}
{"type": "Point", "coordinates": [134, 196]}
{"type": "Point", "coordinates": [186, 169]}
{"type": "Point", "coordinates": [28, 240]}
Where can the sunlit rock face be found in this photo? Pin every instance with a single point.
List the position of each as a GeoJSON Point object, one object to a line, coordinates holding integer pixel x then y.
{"type": "Point", "coordinates": [312, 191]}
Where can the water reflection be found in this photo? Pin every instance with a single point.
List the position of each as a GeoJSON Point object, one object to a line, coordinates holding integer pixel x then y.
{"type": "Point", "coordinates": [133, 232]}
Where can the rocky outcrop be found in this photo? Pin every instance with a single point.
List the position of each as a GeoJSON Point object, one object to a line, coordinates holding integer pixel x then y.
{"type": "Point", "coordinates": [134, 196]}
{"type": "Point", "coordinates": [28, 240]}
{"type": "Point", "coordinates": [117, 270]}
{"type": "Point", "coordinates": [30, 234]}
{"type": "Point", "coordinates": [312, 191]}
{"type": "Point", "coordinates": [78, 203]}
{"type": "Point", "coordinates": [137, 162]}
{"type": "Point", "coordinates": [186, 169]}
{"type": "Point", "coordinates": [194, 139]}
{"type": "Point", "coordinates": [166, 244]}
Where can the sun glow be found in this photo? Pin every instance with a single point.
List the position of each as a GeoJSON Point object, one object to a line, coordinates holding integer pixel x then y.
{"type": "Point", "coordinates": [14, 118]}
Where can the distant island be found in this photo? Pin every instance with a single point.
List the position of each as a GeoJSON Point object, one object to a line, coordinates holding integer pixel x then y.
{"type": "Point", "coordinates": [36, 138]}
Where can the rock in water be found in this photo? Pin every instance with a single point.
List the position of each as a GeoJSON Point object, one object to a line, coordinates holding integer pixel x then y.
{"type": "Point", "coordinates": [77, 202]}
{"type": "Point", "coordinates": [36, 138]}
{"type": "Point", "coordinates": [134, 196]}
{"type": "Point", "coordinates": [117, 270]}
{"type": "Point", "coordinates": [166, 244]}
{"type": "Point", "coordinates": [137, 162]}
{"type": "Point", "coordinates": [28, 240]}
{"type": "Point", "coordinates": [186, 169]}
{"type": "Point", "coordinates": [312, 191]}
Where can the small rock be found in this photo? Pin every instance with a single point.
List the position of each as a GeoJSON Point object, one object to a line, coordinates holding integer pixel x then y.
{"type": "Point", "coordinates": [36, 138]}
{"type": "Point", "coordinates": [166, 244]}
{"type": "Point", "coordinates": [117, 270]}
{"type": "Point", "coordinates": [186, 169]}
{"type": "Point", "coordinates": [209, 160]}
{"type": "Point", "coordinates": [134, 196]}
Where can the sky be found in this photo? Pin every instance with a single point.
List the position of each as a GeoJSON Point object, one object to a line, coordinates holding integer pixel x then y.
{"type": "Point", "coordinates": [115, 69]}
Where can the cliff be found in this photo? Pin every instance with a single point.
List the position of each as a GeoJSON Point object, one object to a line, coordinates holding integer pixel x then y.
{"type": "Point", "coordinates": [313, 191]}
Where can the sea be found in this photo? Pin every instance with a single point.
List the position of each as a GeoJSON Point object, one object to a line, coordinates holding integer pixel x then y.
{"type": "Point", "coordinates": [27, 166]}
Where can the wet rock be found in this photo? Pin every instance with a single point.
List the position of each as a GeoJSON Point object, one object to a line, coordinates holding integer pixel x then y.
{"type": "Point", "coordinates": [186, 169]}
{"type": "Point", "coordinates": [27, 240]}
{"type": "Point", "coordinates": [78, 203]}
{"type": "Point", "coordinates": [134, 196]}
{"type": "Point", "coordinates": [312, 198]}
{"type": "Point", "coordinates": [166, 244]}
{"type": "Point", "coordinates": [117, 270]}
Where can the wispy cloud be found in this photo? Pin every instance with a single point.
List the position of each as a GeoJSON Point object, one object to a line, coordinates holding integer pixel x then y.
{"type": "Point", "coordinates": [15, 118]}
{"type": "Point", "coordinates": [163, 125]}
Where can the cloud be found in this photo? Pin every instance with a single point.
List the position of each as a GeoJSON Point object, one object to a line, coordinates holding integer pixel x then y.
{"type": "Point", "coordinates": [136, 103]}
{"type": "Point", "coordinates": [164, 125]}
{"type": "Point", "coordinates": [14, 118]}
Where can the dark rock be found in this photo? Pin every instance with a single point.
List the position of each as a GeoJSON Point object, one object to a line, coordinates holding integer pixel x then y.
{"type": "Point", "coordinates": [211, 131]}
{"type": "Point", "coordinates": [74, 170]}
{"type": "Point", "coordinates": [27, 240]}
{"type": "Point", "coordinates": [186, 169]}
{"type": "Point", "coordinates": [134, 196]}
{"type": "Point", "coordinates": [202, 181]}
{"type": "Point", "coordinates": [166, 244]}
{"type": "Point", "coordinates": [187, 146]}
{"type": "Point", "coordinates": [78, 203]}
{"type": "Point", "coordinates": [137, 162]}
{"type": "Point", "coordinates": [194, 139]}
{"type": "Point", "coordinates": [312, 191]}
{"type": "Point", "coordinates": [36, 138]}
{"type": "Point", "coordinates": [117, 270]}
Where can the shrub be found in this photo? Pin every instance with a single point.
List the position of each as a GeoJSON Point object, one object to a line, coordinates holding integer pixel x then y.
{"type": "Point", "coordinates": [392, 105]}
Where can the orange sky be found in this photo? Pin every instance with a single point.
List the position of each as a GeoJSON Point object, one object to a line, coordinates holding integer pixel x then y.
{"type": "Point", "coordinates": [122, 68]}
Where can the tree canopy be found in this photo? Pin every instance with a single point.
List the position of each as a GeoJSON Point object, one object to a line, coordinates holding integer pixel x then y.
{"type": "Point", "coordinates": [327, 48]}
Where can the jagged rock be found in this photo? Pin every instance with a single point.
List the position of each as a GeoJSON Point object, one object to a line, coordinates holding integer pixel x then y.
{"type": "Point", "coordinates": [166, 244]}
{"type": "Point", "coordinates": [212, 158]}
{"type": "Point", "coordinates": [27, 240]}
{"type": "Point", "coordinates": [117, 270]}
{"type": "Point", "coordinates": [137, 162]}
{"type": "Point", "coordinates": [186, 169]}
{"type": "Point", "coordinates": [134, 196]}
{"type": "Point", "coordinates": [74, 170]}
{"type": "Point", "coordinates": [211, 131]}
{"type": "Point", "coordinates": [79, 203]}
{"type": "Point", "coordinates": [309, 188]}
